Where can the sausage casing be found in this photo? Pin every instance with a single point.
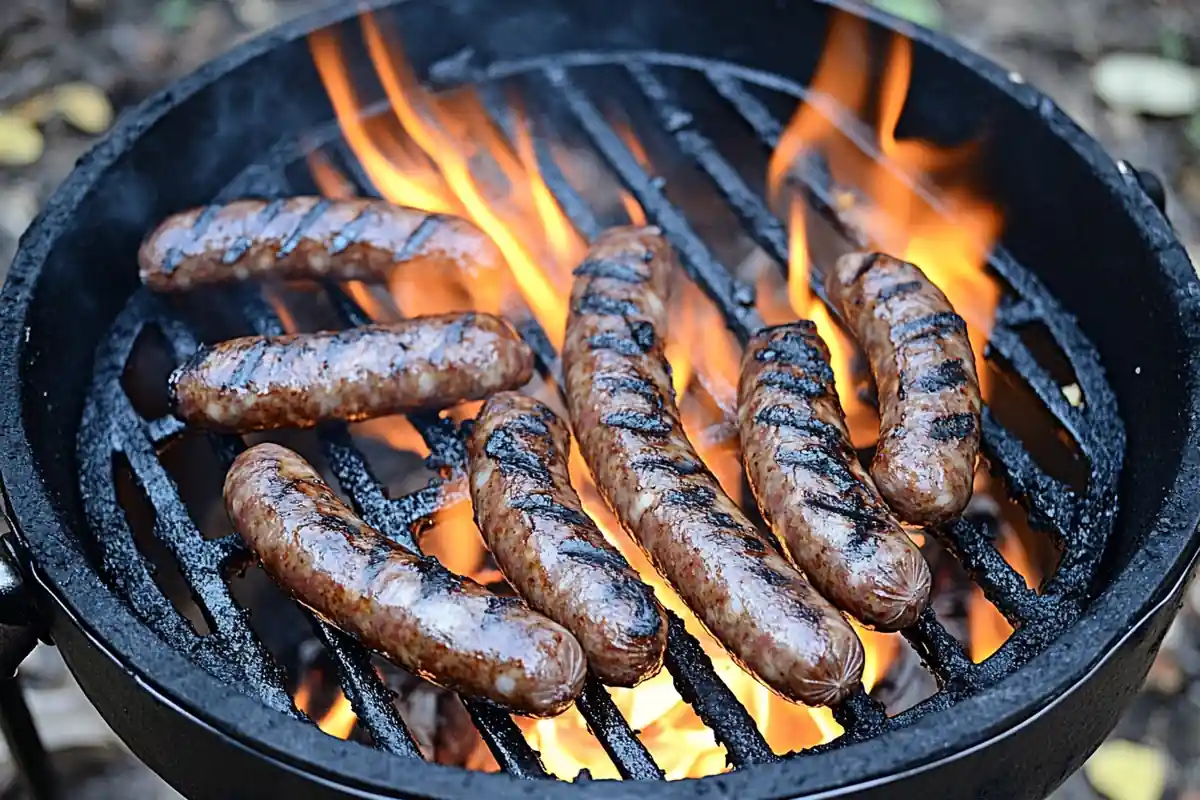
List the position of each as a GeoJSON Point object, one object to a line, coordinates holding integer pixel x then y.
{"type": "Point", "coordinates": [443, 627]}
{"type": "Point", "coordinates": [811, 487]}
{"type": "Point", "coordinates": [624, 415]}
{"type": "Point", "coordinates": [929, 400]}
{"type": "Point", "coordinates": [550, 550]}
{"type": "Point", "coordinates": [308, 237]}
{"type": "Point", "coordinates": [299, 380]}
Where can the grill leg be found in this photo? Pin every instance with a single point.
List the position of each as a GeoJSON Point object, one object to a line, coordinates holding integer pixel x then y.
{"type": "Point", "coordinates": [24, 743]}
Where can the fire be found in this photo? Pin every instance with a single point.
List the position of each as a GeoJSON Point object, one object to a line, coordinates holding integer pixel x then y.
{"type": "Point", "coordinates": [445, 154]}
{"type": "Point", "coordinates": [338, 720]}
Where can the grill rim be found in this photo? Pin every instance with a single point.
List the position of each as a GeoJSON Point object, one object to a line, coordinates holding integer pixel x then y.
{"type": "Point", "coordinates": [111, 626]}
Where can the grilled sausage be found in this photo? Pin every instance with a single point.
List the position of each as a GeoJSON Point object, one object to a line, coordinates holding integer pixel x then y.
{"type": "Point", "coordinates": [297, 381]}
{"type": "Point", "coordinates": [549, 550]}
{"type": "Point", "coordinates": [443, 627]}
{"type": "Point", "coordinates": [308, 237]}
{"type": "Point", "coordinates": [624, 415]}
{"type": "Point", "coordinates": [928, 389]}
{"type": "Point", "coordinates": [811, 487]}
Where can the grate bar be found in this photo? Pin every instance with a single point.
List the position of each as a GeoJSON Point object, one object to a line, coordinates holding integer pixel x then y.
{"type": "Point", "coordinates": [627, 752]}
{"type": "Point", "coordinates": [1048, 503]}
{"type": "Point", "coordinates": [735, 303]}
{"type": "Point", "coordinates": [1001, 584]}
{"type": "Point", "coordinates": [941, 653]}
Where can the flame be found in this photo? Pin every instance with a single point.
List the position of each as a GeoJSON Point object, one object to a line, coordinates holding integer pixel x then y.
{"type": "Point", "coordinates": [456, 542]}
{"type": "Point", "coordinates": [338, 720]}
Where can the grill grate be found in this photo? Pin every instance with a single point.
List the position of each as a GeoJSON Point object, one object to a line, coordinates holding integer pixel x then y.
{"type": "Point", "coordinates": [1078, 522]}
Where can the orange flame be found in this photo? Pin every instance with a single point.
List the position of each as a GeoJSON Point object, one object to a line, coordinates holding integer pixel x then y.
{"type": "Point", "coordinates": [338, 720]}
{"type": "Point", "coordinates": [444, 154]}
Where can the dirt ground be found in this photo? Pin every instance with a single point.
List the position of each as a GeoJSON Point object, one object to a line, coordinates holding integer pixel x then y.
{"type": "Point", "coordinates": [129, 48]}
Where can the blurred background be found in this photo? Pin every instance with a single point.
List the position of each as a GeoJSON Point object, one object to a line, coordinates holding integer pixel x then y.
{"type": "Point", "coordinates": [1127, 70]}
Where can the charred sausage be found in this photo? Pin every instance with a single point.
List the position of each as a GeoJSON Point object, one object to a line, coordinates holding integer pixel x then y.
{"type": "Point", "coordinates": [812, 489]}
{"type": "Point", "coordinates": [308, 237]}
{"type": "Point", "coordinates": [443, 627]}
{"type": "Point", "coordinates": [929, 399]}
{"type": "Point", "coordinates": [548, 548]}
{"type": "Point", "coordinates": [624, 415]}
{"type": "Point", "coordinates": [297, 381]}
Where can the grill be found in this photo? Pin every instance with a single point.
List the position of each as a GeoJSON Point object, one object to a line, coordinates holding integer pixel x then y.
{"type": "Point", "coordinates": [560, 91]}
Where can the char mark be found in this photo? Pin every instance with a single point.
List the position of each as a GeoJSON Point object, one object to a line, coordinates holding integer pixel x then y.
{"type": "Point", "coordinates": [800, 348]}
{"type": "Point", "coordinates": [541, 505]}
{"type": "Point", "coordinates": [782, 416]}
{"type": "Point", "coordinates": [930, 326]}
{"type": "Point", "coordinates": [947, 375]}
{"type": "Point", "coordinates": [244, 242]}
{"type": "Point", "coordinates": [350, 233]}
{"type": "Point", "coordinates": [307, 221]}
{"type": "Point", "coordinates": [869, 263]}
{"type": "Point", "coordinates": [899, 289]}
{"type": "Point", "coordinates": [754, 545]}
{"type": "Point", "coordinates": [594, 302]}
{"type": "Point", "coordinates": [643, 334]}
{"type": "Point", "coordinates": [790, 383]}
{"type": "Point", "coordinates": [633, 384]}
{"type": "Point", "coordinates": [247, 365]}
{"type": "Point", "coordinates": [420, 235]}
{"type": "Point", "coordinates": [952, 427]}
{"type": "Point", "coordinates": [585, 551]}
{"type": "Point", "coordinates": [608, 268]}
{"type": "Point", "coordinates": [850, 506]}
{"type": "Point", "coordinates": [499, 605]}
{"type": "Point", "coordinates": [681, 466]}
{"type": "Point", "coordinates": [618, 344]}
{"type": "Point", "coordinates": [701, 499]}
{"type": "Point", "coordinates": [648, 424]}
{"type": "Point", "coordinates": [820, 462]}
{"type": "Point", "coordinates": [505, 447]}
{"type": "Point", "coordinates": [528, 424]}
{"type": "Point", "coordinates": [174, 256]}
{"type": "Point", "coordinates": [436, 580]}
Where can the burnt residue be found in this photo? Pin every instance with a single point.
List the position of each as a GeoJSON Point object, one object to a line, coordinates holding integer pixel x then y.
{"type": "Point", "coordinates": [593, 302]}
{"type": "Point", "coordinates": [820, 461]}
{"type": "Point", "coordinates": [931, 326]}
{"type": "Point", "coordinates": [793, 384]}
{"type": "Point", "coordinates": [638, 422]}
{"type": "Point", "coordinates": [611, 269]}
{"type": "Point", "coordinates": [785, 416]}
{"type": "Point", "coordinates": [634, 384]}
{"type": "Point", "coordinates": [643, 334]}
{"type": "Point", "coordinates": [544, 505]}
{"type": "Point", "coordinates": [618, 344]}
{"type": "Point", "coordinates": [949, 374]}
{"type": "Point", "coordinates": [505, 447]}
{"type": "Point", "coordinates": [953, 427]}
{"type": "Point", "coordinates": [679, 466]}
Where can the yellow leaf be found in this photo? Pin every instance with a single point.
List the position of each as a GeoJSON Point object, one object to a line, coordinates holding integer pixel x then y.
{"type": "Point", "coordinates": [21, 142]}
{"type": "Point", "coordinates": [1122, 770]}
{"type": "Point", "coordinates": [84, 106]}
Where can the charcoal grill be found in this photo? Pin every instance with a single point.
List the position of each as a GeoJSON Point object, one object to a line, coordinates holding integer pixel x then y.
{"type": "Point", "coordinates": [1085, 248]}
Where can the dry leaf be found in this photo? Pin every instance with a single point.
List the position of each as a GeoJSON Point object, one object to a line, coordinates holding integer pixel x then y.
{"type": "Point", "coordinates": [21, 143]}
{"type": "Point", "coordinates": [84, 106]}
{"type": "Point", "coordinates": [1143, 84]}
{"type": "Point", "coordinates": [1123, 770]}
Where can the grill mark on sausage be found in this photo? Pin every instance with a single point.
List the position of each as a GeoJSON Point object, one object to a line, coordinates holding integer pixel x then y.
{"type": "Point", "coordinates": [701, 498]}
{"type": "Point", "coordinates": [798, 385]}
{"type": "Point", "coordinates": [797, 349]}
{"type": "Point", "coordinates": [542, 505]}
{"type": "Point", "coordinates": [867, 265]}
{"type": "Point", "coordinates": [245, 369]}
{"type": "Point", "coordinates": [307, 221]}
{"type": "Point", "coordinates": [420, 235]}
{"type": "Point", "coordinates": [899, 289]}
{"type": "Point", "coordinates": [244, 242]}
{"type": "Point", "coordinates": [821, 462]}
{"type": "Point", "coordinates": [628, 383]}
{"type": "Point", "coordinates": [637, 422]}
{"type": "Point", "coordinates": [933, 325]}
{"type": "Point", "coordinates": [174, 256]}
{"type": "Point", "coordinates": [678, 466]}
{"type": "Point", "coordinates": [583, 550]}
{"type": "Point", "coordinates": [436, 579]}
{"type": "Point", "coordinates": [952, 427]}
{"type": "Point", "coordinates": [504, 445]}
{"type": "Point", "coordinates": [618, 344]}
{"type": "Point", "coordinates": [947, 375]}
{"type": "Point", "coordinates": [594, 302]}
{"type": "Point", "coordinates": [643, 334]}
{"type": "Point", "coordinates": [613, 270]}
{"type": "Point", "coordinates": [349, 234]}
{"type": "Point", "coordinates": [788, 417]}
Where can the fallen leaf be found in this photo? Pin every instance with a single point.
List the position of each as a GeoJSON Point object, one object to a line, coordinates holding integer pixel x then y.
{"type": "Point", "coordinates": [21, 143]}
{"type": "Point", "coordinates": [1123, 770]}
{"type": "Point", "coordinates": [84, 106]}
{"type": "Point", "coordinates": [923, 12]}
{"type": "Point", "coordinates": [1144, 84]}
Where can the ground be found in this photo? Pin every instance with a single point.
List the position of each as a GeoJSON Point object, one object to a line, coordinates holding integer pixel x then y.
{"type": "Point", "coordinates": [128, 48]}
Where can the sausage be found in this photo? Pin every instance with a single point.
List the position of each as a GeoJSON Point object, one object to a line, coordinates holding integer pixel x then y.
{"type": "Point", "coordinates": [308, 237]}
{"type": "Point", "coordinates": [624, 415]}
{"type": "Point", "coordinates": [297, 381]}
{"type": "Point", "coordinates": [929, 400]}
{"type": "Point", "coordinates": [441, 626]}
{"type": "Point", "coordinates": [811, 488]}
{"type": "Point", "coordinates": [547, 547]}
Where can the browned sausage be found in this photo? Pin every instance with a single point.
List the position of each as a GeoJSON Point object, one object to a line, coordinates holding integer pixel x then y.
{"type": "Point", "coordinates": [548, 548]}
{"type": "Point", "coordinates": [811, 487]}
{"type": "Point", "coordinates": [929, 399]}
{"type": "Point", "coordinates": [299, 380]}
{"type": "Point", "coordinates": [308, 237]}
{"type": "Point", "coordinates": [443, 627]}
{"type": "Point", "coordinates": [624, 415]}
